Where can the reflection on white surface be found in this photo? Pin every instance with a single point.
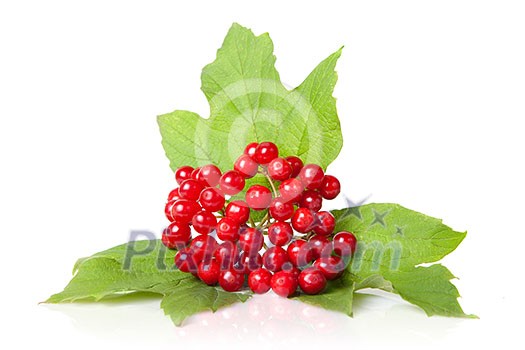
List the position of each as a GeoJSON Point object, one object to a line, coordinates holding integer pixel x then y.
{"type": "Point", "coordinates": [264, 318]}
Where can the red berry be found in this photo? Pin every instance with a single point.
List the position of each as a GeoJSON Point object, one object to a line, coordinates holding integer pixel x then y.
{"type": "Point", "coordinates": [274, 258]}
{"type": "Point", "coordinates": [246, 166]}
{"type": "Point", "coordinates": [292, 269]}
{"type": "Point", "coordinates": [332, 267]}
{"type": "Point", "coordinates": [185, 261]}
{"type": "Point", "coordinates": [258, 197]}
{"type": "Point", "coordinates": [312, 281]}
{"type": "Point", "coordinates": [284, 283]}
{"type": "Point", "coordinates": [291, 190]}
{"type": "Point", "coordinates": [195, 173]}
{"type": "Point", "coordinates": [325, 223]}
{"type": "Point", "coordinates": [299, 253]}
{"type": "Point", "coordinates": [279, 169]}
{"type": "Point", "coordinates": [251, 240]}
{"type": "Point", "coordinates": [249, 262]}
{"type": "Point", "coordinates": [203, 247]}
{"type": "Point", "coordinates": [190, 189]}
{"type": "Point", "coordinates": [345, 243]}
{"type": "Point", "coordinates": [211, 199]}
{"type": "Point", "coordinates": [167, 210]}
{"type": "Point", "coordinates": [303, 220]}
{"type": "Point", "coordinates": [311, 200]}
{"type": "Point", "coordinates": [209, 272]}
{"type": "Point", "coordinates": [330, 187]}
{"type": "Point", "coordinates": [204, 222]}
{"type": "Point", "coordinates": [320, 246]}
{"type": "Point", "coordinates": [176, 235]}
{"type": "Point", "coordinates": [231, 280]}
{"type": "Point", "coordinates": [238, 211]}
{"type": "Point", "coordinates": [311, 176]}
{"type": "Point", "coordinates": [280, 233]}
{"type": "Point", "coordinates": [259, 280]}
{"type": "Point", "coordinates": [174, 195]}
{"type": "Point", "coordinates": [184, 209]}
{"type": "Point", "coordinates": [226, 254]}
{"type": "Point", "coordinates": [209, 175]}
{"type": "Point", "coordinates": [183, 173]}
{"type": "Point", "coordinates": [280, 209]}
{"type": "Point", "coordinates": [265, 153]}
{"type": "Point", "coordinates": [250, 149]}
{"type": "Point", "coordinates": [228, 229]}
{"type": "Point", "coordinates": [296, 163]}
{"type": "Point", "coordinates": [232, 182]}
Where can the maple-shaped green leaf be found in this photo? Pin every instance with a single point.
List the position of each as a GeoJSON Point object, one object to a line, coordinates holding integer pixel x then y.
{"type": "Point", "coordinates": [392, 242]}
{"type": "Point", "coordinates": [143, 266]}
{"type": "Point", "coordinates": [248, 103]}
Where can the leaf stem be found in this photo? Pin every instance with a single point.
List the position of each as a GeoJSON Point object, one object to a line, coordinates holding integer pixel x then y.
{"type": "Point", "coordinates": [264, 221]}
{"type": "Point", "coordinates": [274, 190]}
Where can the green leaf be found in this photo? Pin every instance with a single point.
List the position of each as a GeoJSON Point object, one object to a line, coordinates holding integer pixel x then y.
{"type": "Point", "coordinates": [337, 296]}
{"type": "Point", "coordinates": [393, 237]}
{"type": "Point", "coordinates": [142, 266]}
{"type": "Point", "coordinates": [392, 241]}
{"type": "Point", "coordinates": [249, 103]}
{"type": "Point", "coordinates": [429, 288]}
{"type": "Point", "coordinates": [374, 281]}
{"type": "Point", "coordinates": [130, 267]}
{"type": "Point", "coordinates": [191, 297]}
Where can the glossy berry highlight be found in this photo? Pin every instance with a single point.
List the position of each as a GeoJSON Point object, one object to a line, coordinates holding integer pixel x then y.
{"type": "Point", "coordinates": [284, 283]}
{"type": "Point", "coordinates": [183, 173]}
{"type": "Point", "coordinates": [312, 281]}
{"type": "Point", "coordinates": [258, 197]}
{"type": "Point", "coordinates": [231, 280]}
{"type": "Point", "coordinates": [209, 272]}
{"type": "Point", "coordinates": [265, 153]}
{"type": "Point", "coordinates": [232, 182]}
{"type": "Point", "coordinates": [259, 281]}
{"type": "Point", "coordinates": [238, 210]}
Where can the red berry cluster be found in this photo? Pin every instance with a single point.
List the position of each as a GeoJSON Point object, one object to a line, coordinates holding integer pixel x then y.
{"type": "Point", "coordinates": [302, 248]}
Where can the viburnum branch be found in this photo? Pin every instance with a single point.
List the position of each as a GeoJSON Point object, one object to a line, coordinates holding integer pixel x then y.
{"type": "Point", "coordinates": [206, 199]}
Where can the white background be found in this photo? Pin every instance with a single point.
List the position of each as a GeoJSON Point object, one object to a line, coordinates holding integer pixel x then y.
{"type": "Point", "coordinates": [430, 96]}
